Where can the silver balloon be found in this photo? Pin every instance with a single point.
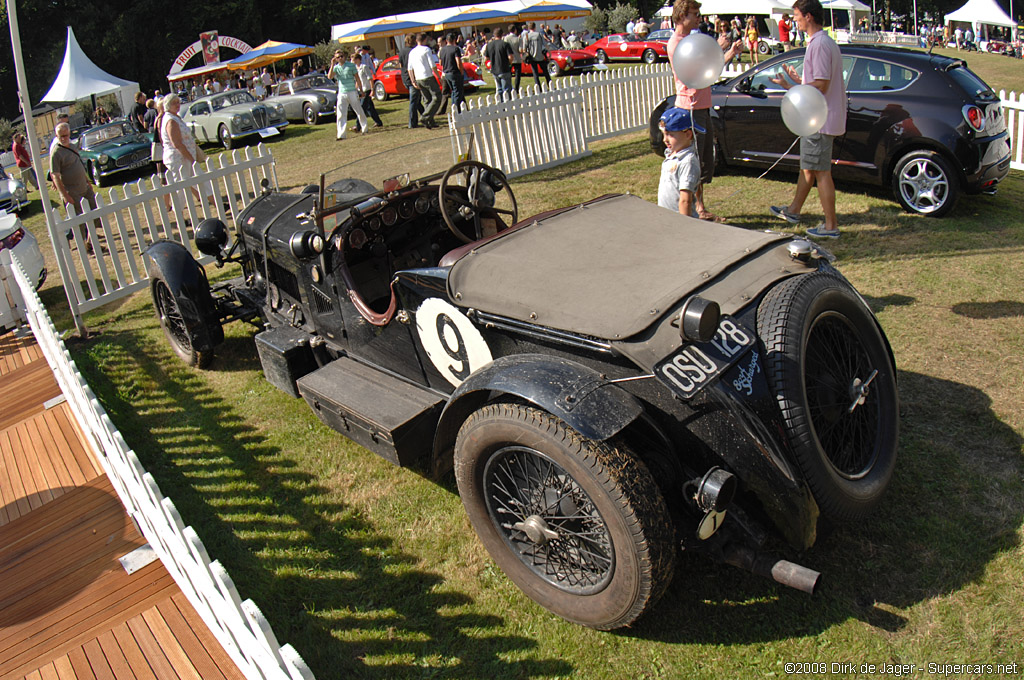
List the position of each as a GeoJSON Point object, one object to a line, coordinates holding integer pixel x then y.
{"type": "Point", "coordinates": [804, 110]}
{"type": "Point", "coordinates": [698, 61]}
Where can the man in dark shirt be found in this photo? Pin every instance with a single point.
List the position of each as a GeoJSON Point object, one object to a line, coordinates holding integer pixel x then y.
{"type": "Point", "coordinates": [451, 65]}
{"type": "Point", "coordinates": [150, 118]}
{"type": "Point", "coordinates": [139, 112]}
{"type": "Point", "coordinates": [499, 54]}
{"type": "Point", "coordinates": [415, 105]}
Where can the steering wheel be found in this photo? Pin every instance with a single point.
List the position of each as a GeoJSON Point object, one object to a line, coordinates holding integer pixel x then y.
{"type": "Point", "coordinates": [478, 196]}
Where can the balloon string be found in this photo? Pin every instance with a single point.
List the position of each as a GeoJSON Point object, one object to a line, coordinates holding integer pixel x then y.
{"type": "Point", "coordinates": [762, 176]}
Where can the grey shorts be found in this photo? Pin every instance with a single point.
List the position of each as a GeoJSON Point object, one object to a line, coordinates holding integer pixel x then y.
{"type": "Point", "coordinates": [705, 145]}
{"type": "Point", "coordinates": [816, 152]}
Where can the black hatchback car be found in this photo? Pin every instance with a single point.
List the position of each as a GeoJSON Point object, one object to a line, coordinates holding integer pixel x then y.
{"type": "Point", "coordinates": [924, 124]}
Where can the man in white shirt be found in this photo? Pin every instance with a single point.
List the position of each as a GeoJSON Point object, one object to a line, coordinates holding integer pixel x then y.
{"type": "Point", "coordinates": [421, 71]}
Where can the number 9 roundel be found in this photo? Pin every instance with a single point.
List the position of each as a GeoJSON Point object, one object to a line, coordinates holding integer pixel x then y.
{"type": "Point", "coordinates": [453, 343]}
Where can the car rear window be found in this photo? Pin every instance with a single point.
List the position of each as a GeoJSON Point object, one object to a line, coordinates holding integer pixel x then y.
{"type": "Point", "coordinates": [873, 75]}
{"type": "Point", "coordinates": [974, 86]}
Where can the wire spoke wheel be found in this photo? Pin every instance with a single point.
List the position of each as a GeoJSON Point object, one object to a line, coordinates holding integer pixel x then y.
{"type": "Point", "coordinates": [171, 319]}
{"type": "Point", "coordinates": [548, 520]}
{"type": "Point", "coordinates": [580, 526]}
{"type": "Point", "coordinates": [836, 365]}
{"type": "Point", "coordinates": [828, 366]}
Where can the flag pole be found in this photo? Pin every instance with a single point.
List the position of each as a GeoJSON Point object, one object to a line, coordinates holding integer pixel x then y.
{"type": "Point", "coordinates": [33, 146]}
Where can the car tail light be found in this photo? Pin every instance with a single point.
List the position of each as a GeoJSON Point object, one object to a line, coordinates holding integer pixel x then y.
{"type": "Point", "coordinates": [13, 239]}
{"type": "Point", "coordinates": [975, 117]}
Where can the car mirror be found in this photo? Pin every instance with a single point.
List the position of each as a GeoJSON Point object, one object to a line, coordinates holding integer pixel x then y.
{"type": "Point", "coordinates": [743, 85]}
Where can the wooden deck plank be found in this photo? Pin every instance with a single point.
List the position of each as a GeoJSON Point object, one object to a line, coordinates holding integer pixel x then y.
{"type": "Point", "coordinates": [99, 608]}
{"type": "Point", "coordinates": [55, 438]}
{"type": "Point", "coordinates": [24, 390]}
{"type": "Point", "coordinates": [133, 653]}
{"type": "Point", "coordinates": [76, 443]}
{"type": "Point", "coordinates": [80, 664]}
{"type": "Point", "coordinates": [48, 672]}
{"type": "Point", "coordinates": [204, 664]}
{"type": "Point", "coordinates": [67, 608]}
{"type": "Point", "coordinates": [119, 667]}
{"type": "Point", "coordinates": [217, 652]}
{"type": "Point", "coordinates": [97, 661]}
{"type": "Point", "coordinates": [151, 648]}
{"type": "Point", "coordinates": [175, 654]}
{"type": "Point", "coordinates": [65, 671]}
{"type": "Point", "coordinates": [20, 505]}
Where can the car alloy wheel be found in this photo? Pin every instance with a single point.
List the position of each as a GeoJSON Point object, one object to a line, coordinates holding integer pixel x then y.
{"type": "Point", "coordinates": [554, 70]}
{"type": "Point", "coordinates": [308, 114]}
{"type": "Point", "coordinates": [650, 56]}
{"type": "Point", "coordinates": [602, 57]}
{"type": "Point", "coordinates": [380, 93]}
{"type": "Point", "coordinates": [925, 184]}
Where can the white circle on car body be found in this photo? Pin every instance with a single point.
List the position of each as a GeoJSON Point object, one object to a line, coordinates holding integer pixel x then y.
{"type": "Point", "coordinates": [454, 345]}
{"type": "Point", "coordinates": [623, 47]}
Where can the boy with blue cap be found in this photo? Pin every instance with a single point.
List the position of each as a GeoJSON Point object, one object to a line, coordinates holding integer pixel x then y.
{"type": "Point", "coordinates": [680, 171]}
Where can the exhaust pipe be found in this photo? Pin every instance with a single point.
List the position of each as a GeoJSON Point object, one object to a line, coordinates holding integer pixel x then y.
{"type": "Point", "coordinates": [764, 564]}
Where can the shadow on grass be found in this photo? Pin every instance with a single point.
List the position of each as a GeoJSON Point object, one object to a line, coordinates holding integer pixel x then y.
{"type": "Point", "coordinates": [1000, 309]}
{"type": "Point", "coordinates": [328, 582]}
{"type": "Point", "coordinates": [955, 503]}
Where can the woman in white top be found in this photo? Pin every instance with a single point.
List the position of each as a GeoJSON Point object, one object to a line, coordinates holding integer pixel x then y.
{"type": "Point", "coordinates": [180, 147]}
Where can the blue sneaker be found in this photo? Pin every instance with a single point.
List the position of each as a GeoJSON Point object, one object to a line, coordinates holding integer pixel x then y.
{"type": "Point", "coordinates": [784, 214]}
{"type": "Point", "coordinates": [821, 232]}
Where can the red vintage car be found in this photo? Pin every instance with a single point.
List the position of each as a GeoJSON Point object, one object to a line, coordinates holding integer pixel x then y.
{"type": "Point", "coordinates": [387, 80]}
{"type": "Point", "coordinates": [565, 63]}
{"type": "Point", "coordinates": [627, 47]}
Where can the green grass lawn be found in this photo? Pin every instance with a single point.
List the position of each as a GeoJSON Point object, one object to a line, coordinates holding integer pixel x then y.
{"type": "Point", "coordinates": [371, 571]}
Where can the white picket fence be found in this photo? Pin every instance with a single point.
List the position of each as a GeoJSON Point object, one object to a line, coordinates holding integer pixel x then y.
{"type": "Point", "coordinates": [238, 625]}
{"type": "Point", "coordinates": [1013, 113]}
{"type": "Point", "coordinates": [133, 216]}
{"type": "Point", "coordinates": [597, 106]}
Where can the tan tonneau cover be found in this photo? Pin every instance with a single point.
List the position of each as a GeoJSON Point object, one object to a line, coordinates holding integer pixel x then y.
{"type": "Point", "coordinates": [608, 269]}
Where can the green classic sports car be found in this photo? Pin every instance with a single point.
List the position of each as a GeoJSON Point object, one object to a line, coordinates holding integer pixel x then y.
{"type": "Point", "coordinates": [112, 148]}
{"type": "Point", "coordinates": [228, 117]}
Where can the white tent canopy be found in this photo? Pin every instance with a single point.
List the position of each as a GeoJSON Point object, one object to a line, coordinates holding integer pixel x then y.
{"type": "Point", "coordinates": [981, 12]}
{"type": "Point", "coordinates": [745, 7]}
{"type": "Point", "coordinates": [80, 78]}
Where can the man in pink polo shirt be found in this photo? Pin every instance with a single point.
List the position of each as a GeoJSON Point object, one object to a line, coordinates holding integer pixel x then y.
{"type": "Point", "coordinates": [686, 18]}
{"type": "Point", "coordinates": [823, 69]}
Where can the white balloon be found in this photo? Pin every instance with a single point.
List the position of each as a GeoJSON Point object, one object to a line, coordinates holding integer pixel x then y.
{"type": "Point", "coordinates": [804, 110]}
{"type": "Point", "coordinates": [698, 61]}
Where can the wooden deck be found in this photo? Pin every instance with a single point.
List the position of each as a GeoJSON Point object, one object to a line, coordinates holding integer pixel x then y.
{"type": "Point", "coordinates": [68, 609]}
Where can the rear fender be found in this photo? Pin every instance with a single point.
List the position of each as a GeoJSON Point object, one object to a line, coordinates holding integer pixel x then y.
{"type": "Point", "coordinates": [172, 263]}
{"type": "Point", "coordinates": [578, 395]}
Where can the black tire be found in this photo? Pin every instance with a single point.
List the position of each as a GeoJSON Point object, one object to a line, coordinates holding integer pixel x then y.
{"type": "Point", "coordinates": [602, 57]}
{"type": "Point", "coordinates": [925, 183]}
{"type": "Point", "coordinates": [763, 47]}
{"type": "Point", "coordinates": [225, 137]}
{"type": "Point", "coordinates": [820, 343]}
{"type": "Point", "coordinates": [554, 70]}
{"type": "Point", "coordinates": [611, 551]}
{"type": "Point", "coordinates": [98, 179]}
{"type": "Point", "coordinates": [649, 56]}
{"type": "Point", "coordinates": [380, 93]}
{"type": "Point", "coordinates": [174, 326]}
{"type": "Point", "coordinates": [309, 115]}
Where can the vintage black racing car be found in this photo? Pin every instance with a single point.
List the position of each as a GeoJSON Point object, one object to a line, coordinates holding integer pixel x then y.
{"type": "Point", "coordinates": [610, 382]}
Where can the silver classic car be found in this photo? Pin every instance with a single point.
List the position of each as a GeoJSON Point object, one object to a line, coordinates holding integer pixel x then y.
{"type": "Point", "coordinates": [227, 117]}
{"type": "Point", "coordinates": [307, 98]}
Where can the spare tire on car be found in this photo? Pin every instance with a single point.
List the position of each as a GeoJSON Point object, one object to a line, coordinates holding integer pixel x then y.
{"type": "Point", "coordinates": [831, 372]}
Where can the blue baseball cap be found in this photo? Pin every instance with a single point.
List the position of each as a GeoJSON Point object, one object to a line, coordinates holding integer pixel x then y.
{"type": "Point", "coordinates": [676, 119]}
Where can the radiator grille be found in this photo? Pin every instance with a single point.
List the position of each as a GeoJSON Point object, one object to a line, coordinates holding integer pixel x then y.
{"type": "Point", "coordinates": [322, 302]}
